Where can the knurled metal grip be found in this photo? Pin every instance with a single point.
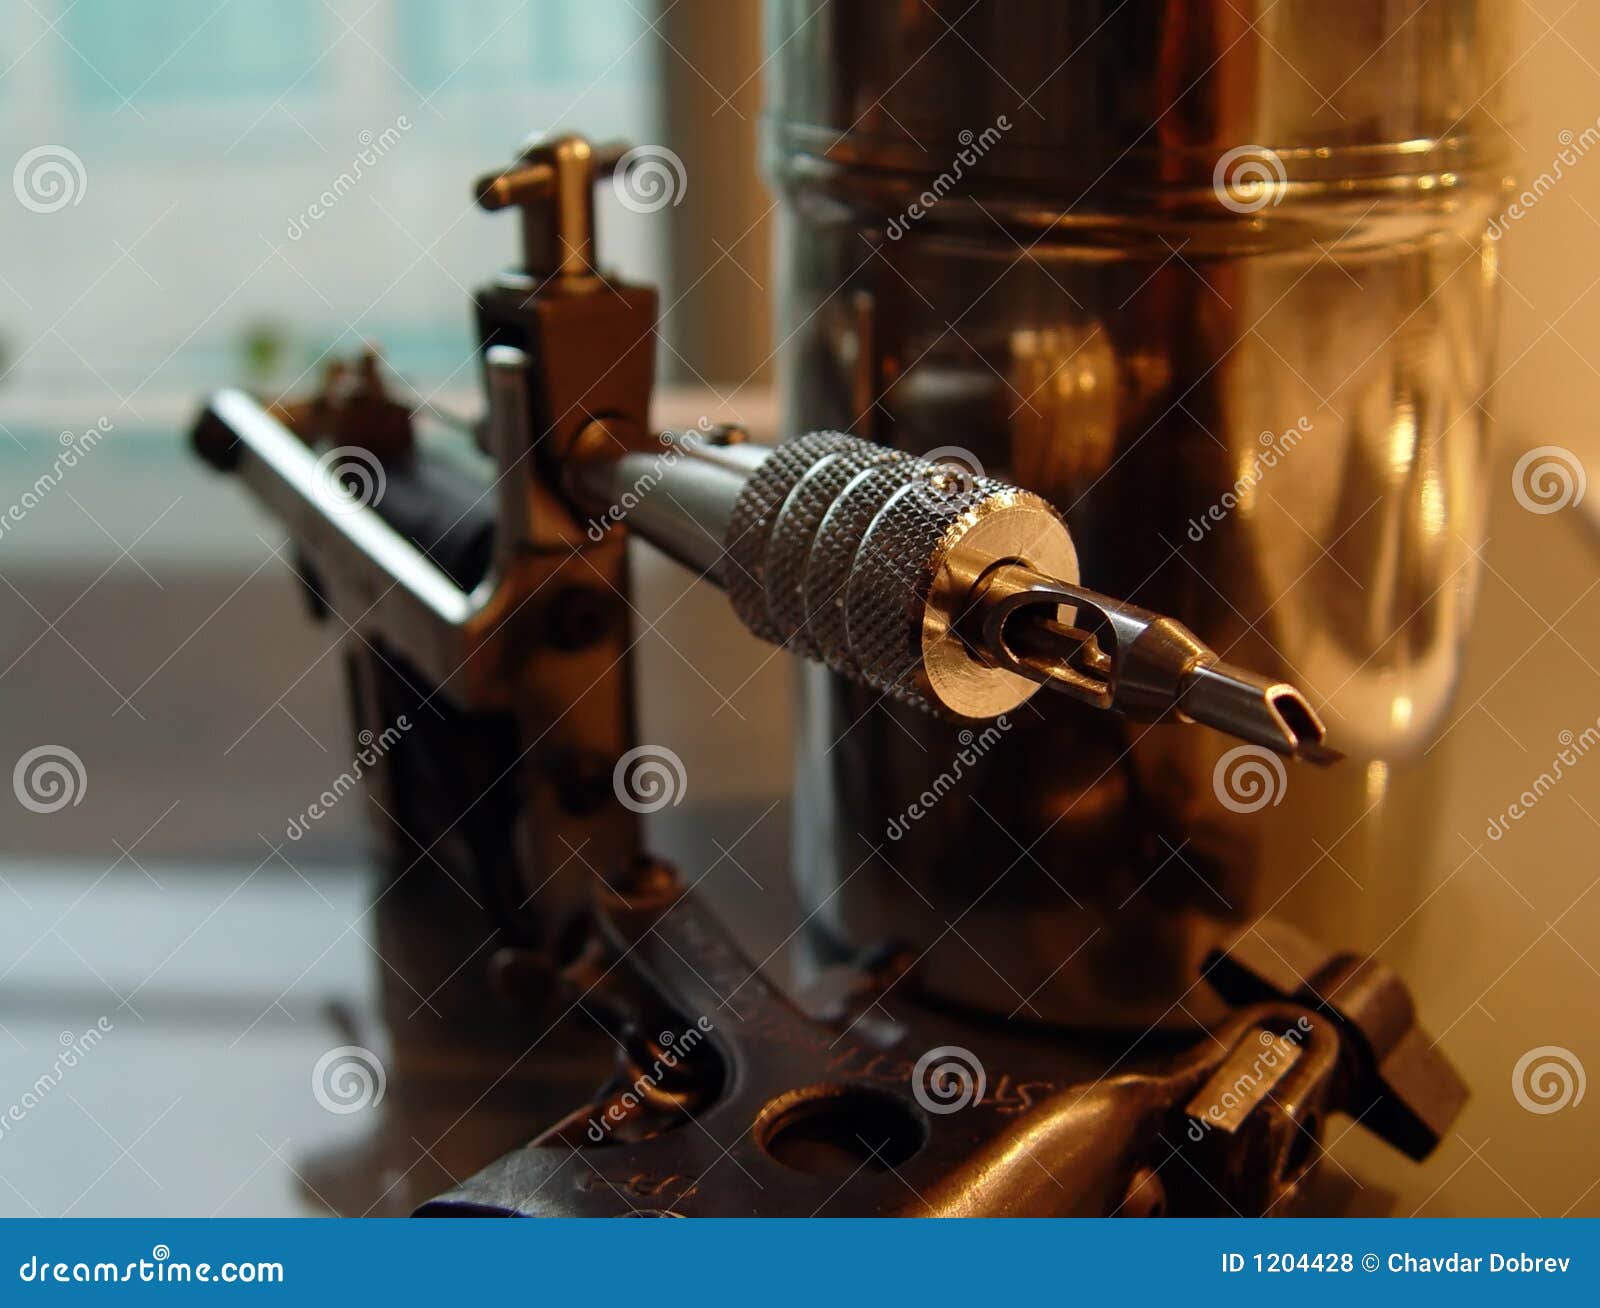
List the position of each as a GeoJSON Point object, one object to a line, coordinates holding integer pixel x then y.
{"type": "Point", "coordinates": [863, 557]}
{"type": "Point", "coordinates": [795, 532]}
{"type": "Point", "coordinates": [832, 558]}
{"type": "Point", "coordinates": [742, 571]}
{"type": "Point", "coordinates": [891, 578]}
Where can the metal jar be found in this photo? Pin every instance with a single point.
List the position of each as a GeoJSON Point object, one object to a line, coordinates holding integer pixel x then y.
{"type": "Point", "coordinates": [1215, 279]}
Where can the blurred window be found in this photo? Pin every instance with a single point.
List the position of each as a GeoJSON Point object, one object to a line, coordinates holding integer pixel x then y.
{"type": "Point", "coordinates": [218, 191]}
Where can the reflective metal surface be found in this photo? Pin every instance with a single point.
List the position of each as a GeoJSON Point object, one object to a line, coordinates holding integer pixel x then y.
{"type": "Point", "coordinates": [1213, 279]}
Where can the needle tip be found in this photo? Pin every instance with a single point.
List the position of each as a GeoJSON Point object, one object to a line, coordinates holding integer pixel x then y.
{"type": "Point", "coordinates": [1269, 713]}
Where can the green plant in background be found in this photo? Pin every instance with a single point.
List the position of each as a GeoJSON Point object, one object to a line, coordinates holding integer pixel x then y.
{"type": "Point", "coordinates": [263, 348]}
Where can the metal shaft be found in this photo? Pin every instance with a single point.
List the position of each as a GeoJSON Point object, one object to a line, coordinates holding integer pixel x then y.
{"type": "Point", "coordinates": [953, 592]}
